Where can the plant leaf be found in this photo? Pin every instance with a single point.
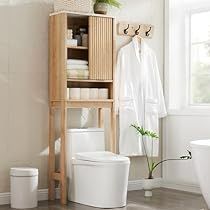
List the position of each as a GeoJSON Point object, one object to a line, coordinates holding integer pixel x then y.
{"type": "Point", "coordinates": [140, 130]}
{"type": "Point", "coordinates": [144, 132]}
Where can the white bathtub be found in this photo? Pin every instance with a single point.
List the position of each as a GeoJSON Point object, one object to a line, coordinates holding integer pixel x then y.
{"type": "Point", "coordinates": [201, 161]}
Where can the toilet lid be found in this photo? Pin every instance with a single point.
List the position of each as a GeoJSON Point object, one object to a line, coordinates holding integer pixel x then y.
{"type": "Point", "coordinates": [104, 156]}
{"type": "Point", "coordinates": [24, 171]}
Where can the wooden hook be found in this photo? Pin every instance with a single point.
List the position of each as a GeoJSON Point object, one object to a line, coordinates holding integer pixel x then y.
{"type": "Point", "coordinates": [126, 30]}
{"type": "Point", "coordinates": [137, 30]}
{"type": "Point", "coordinates": [147, 32]}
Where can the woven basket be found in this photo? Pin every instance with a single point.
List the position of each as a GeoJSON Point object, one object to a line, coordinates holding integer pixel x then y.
{"type": "Point", "coordinates": [85, 6]}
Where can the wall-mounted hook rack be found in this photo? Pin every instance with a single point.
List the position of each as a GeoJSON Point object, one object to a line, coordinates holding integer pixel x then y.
{"type": "Point", "coordinates": [132, 29]}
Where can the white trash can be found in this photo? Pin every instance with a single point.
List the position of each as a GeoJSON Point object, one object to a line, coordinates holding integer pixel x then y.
{"type": "Point", "coordinates": [23, 187]}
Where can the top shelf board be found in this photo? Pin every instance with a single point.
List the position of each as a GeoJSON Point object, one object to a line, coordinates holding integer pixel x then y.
{"type": "Point", "coordinates": [80, 15]}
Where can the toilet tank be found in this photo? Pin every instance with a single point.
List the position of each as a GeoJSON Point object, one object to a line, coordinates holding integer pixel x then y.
{"type": "Point", "coordinates": [84, 140]}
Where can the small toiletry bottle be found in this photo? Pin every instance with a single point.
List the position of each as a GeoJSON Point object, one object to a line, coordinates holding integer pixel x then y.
{"type": "Point", "coordinates": [78, 38]}
{"type": "Point", "coordinates": [85, 40]}
{"type": "Point", "coordinates": [82, 32]}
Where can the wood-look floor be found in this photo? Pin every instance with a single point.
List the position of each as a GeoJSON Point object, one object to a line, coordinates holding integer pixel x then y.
{"type": "Point", "coordinates": [163, 199]}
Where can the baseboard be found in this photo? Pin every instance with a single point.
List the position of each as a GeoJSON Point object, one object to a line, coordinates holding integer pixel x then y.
{"type": "Point", "coordinates": [138, 184]}
{"type": "Point", "coordinates": [4, 198]}
{"type": "Point", "coordinates": [42, 196]}
{"type": "Point", "coordinates": [159, 182]}
{"type": "Point", "coordinates": [132, 185]}
{"type": "Point", "coordinates": [181, 186]}
{"type": "Point", "coordinates": [43, 193]}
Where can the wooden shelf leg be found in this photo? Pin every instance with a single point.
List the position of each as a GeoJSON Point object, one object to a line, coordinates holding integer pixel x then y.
{"type": "Point", "coordinates": [63, 180]}
{"type": "Point", "coordinates": [113, 142]}
{"type": "Point", "coordinates": [51, 160]}
{"type": "Point", "coordinates": [100, 118]}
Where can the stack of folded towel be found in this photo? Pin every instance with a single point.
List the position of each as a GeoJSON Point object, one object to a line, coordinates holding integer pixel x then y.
{"type": "Point", "coordinates": [77, 69]}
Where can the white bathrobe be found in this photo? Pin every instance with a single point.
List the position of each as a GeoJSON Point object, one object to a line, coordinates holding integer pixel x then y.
{"type": "Point", "coordinates": [139, 97]}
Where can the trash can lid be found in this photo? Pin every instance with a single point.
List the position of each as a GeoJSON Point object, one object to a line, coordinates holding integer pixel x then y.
{"type": "Point", "coordinates": [23, 171]}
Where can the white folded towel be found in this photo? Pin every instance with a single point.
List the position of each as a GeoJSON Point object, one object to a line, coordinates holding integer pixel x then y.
{"type": "Point", "coordinates": [75, 66]}
{"type": "Point", "coordinates": [77, 62]}
{"type": "Point", "coordinates": [78, 74]}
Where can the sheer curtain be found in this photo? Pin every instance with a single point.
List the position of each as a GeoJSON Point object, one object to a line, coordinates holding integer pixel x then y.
{"type": "Point", "coordinates": [177, 50]}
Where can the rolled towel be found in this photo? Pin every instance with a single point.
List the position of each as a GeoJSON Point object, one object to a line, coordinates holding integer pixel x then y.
{"type": "Point", "coordinates": [76, 62]}
{"type": "Point", "coordinates": [75, 66]}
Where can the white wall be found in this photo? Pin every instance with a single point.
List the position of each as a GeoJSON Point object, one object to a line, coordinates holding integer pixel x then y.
{"type": "Point", "coordinates": [183, 124]}
{"type": "Point", "coordinates": [179, 131]}
{"type": "Point", "coordinates": [23, 87]}
{"type": "Point", "coordinates": [24, 81]}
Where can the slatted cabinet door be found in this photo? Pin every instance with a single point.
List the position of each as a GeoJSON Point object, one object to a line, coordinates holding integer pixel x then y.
{"type": "Point", "coordinates": [101, 48]}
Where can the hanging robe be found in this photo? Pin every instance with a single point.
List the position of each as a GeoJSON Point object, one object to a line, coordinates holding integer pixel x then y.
{"type": "Point", "coordinates": [139, 97]}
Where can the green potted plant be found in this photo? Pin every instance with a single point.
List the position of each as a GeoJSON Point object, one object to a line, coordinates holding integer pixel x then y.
{"type": "Point", "coordinates": [101, 6]}
{"type": "Point", "coordinates": [151, 163]}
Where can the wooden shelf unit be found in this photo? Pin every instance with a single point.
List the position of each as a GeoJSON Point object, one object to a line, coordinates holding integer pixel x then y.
{"type": "Point", "coordinates": [101, 60]}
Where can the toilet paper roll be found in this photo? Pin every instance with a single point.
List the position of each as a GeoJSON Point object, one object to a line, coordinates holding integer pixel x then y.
{"type": "Point", "coordinates": [74, 93]}
{"type": "Point", "coordinates": [93, 93]}
{"type": "Point", "coordinates": [103, 93]}
{"type": "Point", "coordinates": [85, 93]}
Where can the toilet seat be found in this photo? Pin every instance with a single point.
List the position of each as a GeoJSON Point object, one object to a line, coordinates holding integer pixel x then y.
{"type": "Point", "coordinates": [99, 158]}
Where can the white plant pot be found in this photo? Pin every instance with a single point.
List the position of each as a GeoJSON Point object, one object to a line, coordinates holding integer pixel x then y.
{"type": "Point", "coordinates": [147, 187]}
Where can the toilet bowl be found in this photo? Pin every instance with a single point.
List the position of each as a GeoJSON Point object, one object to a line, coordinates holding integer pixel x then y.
{"type": "Point", "coordinates": [97, 177]}
{"type": "Point", "coordinates": [201, 157]}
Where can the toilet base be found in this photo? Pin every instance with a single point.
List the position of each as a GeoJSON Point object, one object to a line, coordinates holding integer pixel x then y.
{"type": "Point", "coordinates": [99, 185]}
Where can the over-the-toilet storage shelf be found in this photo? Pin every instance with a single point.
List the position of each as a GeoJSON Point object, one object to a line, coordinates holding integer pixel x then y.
{"type": "Point", "coordinates": [100, 54]}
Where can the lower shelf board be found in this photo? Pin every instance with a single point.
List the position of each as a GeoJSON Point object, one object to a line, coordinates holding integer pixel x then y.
{"type": "Point", "coordinates": [89, 80]}
{"type": "Point", "coordinates": [108, 103]}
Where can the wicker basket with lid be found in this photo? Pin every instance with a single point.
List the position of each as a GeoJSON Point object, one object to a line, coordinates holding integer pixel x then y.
{"type": "Point", "coordinates": [85, 6]}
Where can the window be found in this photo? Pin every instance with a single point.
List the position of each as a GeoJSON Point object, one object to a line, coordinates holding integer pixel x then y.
{"type": "Point", "coordinates": [199, 83]}
{"type": "Point", "coordinates": [187, 56]}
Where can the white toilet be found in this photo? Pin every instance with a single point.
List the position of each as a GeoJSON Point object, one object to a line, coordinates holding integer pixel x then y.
{"type": "Point", "coordinates": [96, 177]}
